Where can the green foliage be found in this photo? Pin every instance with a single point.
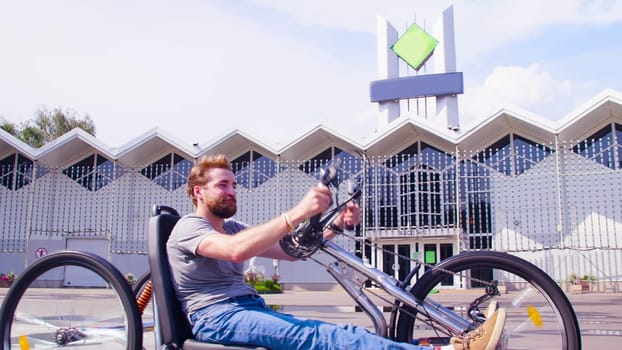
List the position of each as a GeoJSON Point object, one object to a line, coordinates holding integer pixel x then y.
{"type": "Point", "coordinates": [267, 287]}
{"type": "Point", "coordinates": [8, 126]}
{"type": "Point", "coordinates": [48, 125]}
{"type": "Point", "coordinates": [574, 278]}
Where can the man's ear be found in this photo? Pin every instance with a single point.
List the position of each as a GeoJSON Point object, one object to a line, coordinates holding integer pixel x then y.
{"type": "Point", "coordinates": [198, 192]}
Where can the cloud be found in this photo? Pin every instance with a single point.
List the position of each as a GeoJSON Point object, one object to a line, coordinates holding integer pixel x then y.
{"type": "Point", "coordinates": [530, 87]}
{"type": "Point", "coordinates": [356, 15]}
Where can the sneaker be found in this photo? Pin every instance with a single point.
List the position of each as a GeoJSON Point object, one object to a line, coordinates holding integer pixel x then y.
{"type": "Point", "coordinates": [492, 307]}
{"type": "Point", "coordinates": [484, 337]}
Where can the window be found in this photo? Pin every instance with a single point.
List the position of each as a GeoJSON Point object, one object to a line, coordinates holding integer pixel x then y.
{"type": "Point", "coordinates": [599, 147]}
{"type": "Point", "coordinates": [349, 165]}
{"type": "Point", "coordinates": [170, 171]}
{"type": "Point", "coordinates": [526, 154]}
{"type": "Point", "coordinates": [475, 208]}
{"type": "Point", "coordinates": [15, 171]}
{"type": "Point", "coordinates": [93, 172]}
{"type": "Point", "coordinates": [498, 156]}
{"type": "Point", "coordinates": [315, 164]}
{"type": "Point", "coordinates": [252, 169]}
{"type": "Point", "coordinates": [421, 184]}
{"type": "Point", "coordinates": [618, 136]}
{"type": "Point", "coordinates": [382, 198]}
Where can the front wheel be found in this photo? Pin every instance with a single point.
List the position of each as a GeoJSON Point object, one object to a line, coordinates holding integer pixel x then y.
{"type": "Point", "coordinates": [539, 315]}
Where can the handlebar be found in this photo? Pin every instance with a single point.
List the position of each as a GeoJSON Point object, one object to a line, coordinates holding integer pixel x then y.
{"type": "Point", "coordinates": [308, 237]}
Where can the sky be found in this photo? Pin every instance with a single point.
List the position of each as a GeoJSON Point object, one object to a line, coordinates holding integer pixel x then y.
{"type": "Point", "coordinates": [275, 69]}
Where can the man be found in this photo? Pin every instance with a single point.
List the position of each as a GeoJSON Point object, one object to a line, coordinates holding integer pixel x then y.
{"type": "Point", "coordinates": [207, 251]}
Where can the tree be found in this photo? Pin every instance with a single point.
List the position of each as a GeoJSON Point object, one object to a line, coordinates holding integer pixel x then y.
{"type": "Point", "coordinates": [48, 125]}
{"type": "Point", "coordinates": [8, 126]}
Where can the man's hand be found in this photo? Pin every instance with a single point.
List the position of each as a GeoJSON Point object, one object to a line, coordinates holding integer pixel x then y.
{"type": "Point", "coordinates": [316, 201]}
{"type": "Point", "coordinates": [349, 217]}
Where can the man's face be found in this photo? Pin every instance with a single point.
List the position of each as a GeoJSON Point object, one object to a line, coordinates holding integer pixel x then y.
{"type": "Point", "coordinates": [219, 193]}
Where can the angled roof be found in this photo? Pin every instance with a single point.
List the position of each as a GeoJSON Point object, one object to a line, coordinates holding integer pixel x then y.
{"type": "Point", "coordinates": [585, 120]}
{"type": "Point", "coordinates": [605, 108]}
{"type": "Point", "coordinates": [316, 140]}
{"type": "Point", "coordinates": [71, 147]}
{"type": "Point", "coordinates": [404, 131]}
{"type": "Point", "coordinates": [500, 123]}
{"type": "Point", "coordinates": [235, 143]}
{"type": "Point", "coordinates": [9, 144]}
{"type": "Point", "coordinates": [151, 146]}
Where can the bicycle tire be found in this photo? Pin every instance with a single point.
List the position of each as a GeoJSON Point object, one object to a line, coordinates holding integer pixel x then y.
{"type": "Point", "coordinates": [559, 307]}
{"type": "Point", "coordinates": [145, 302]}
{"type": "Point", "coordinates": [121, 290]}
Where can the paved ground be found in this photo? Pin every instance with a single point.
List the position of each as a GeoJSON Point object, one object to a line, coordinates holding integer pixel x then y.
{"type": "Point", "coordinates": [599, 314]}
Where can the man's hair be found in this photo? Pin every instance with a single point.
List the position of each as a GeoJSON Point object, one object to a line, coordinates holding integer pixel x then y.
{"type": "Point", "coordinates": [199, 173]}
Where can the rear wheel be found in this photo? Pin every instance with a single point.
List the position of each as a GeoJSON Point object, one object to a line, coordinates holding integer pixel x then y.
{"type": "Point", "coordinates": [144, 298]}
{"type": "Point", "coordinates": [539, 315]}
{"type": "Point", "coordinates": [39, 312]}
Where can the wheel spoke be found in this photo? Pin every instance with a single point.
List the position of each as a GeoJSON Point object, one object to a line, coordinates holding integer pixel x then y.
{"type": "Point", "coordinates": [35, 316]}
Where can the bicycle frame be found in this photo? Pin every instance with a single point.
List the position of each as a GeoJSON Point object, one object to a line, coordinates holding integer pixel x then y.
{"type": "Point", "coordinates": [346, 260]}
{"type": "Point", "coordinates": [410, 301]}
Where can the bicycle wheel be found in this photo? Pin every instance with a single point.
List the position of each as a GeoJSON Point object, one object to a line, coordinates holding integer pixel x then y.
{"type": "Point", "coordinates": [539, 315]}
{"type": "Point", "coordinates": [143, 295]}
{"type": "Point", "coordinates": [105, 314]}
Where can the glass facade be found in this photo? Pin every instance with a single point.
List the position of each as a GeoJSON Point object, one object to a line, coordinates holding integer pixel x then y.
{"type": "Point", "coordinates": [419, 187]}
{"type": "Point", "coordinates": [93, 172]}
{"type": "Point", "coordinates": [16, 171]}
{"type": "Point", "coordinates": [603, 147]}
{"type": "Point", "coordinates": [413, 188]}
{"type": "Point", "coordinates": [252, 169]}
{"type": "Point", "coordinates": [170, 171]}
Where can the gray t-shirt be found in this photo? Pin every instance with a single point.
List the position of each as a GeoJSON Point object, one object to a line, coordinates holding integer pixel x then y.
{"type": "Point", "coordinates": [200, 281]}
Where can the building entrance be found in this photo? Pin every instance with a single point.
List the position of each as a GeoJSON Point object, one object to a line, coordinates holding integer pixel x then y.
{"type": "Point", "coordinates": [396, 260]}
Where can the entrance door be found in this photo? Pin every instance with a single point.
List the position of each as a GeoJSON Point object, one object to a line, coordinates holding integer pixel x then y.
{"type": "Point", "coordinates": [396, 264]}
{"type": "Point", "coordinates": [436, 252]}
{"type": "Point", "coordinates": [429, 255]}
{"type": "Point", "coordinates": [81, 277]}
{"type": "Point", "coordinates": [446, 250]}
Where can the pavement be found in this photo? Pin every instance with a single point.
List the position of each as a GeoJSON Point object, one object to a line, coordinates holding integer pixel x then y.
{"type": "Point", "coordinates": [599, 314]}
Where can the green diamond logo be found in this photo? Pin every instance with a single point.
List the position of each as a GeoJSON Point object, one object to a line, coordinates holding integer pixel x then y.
{"type": "Point", "coordinates": [415, 46]}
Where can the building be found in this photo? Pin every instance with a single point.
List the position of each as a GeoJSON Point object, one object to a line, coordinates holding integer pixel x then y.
{"type": "Point", "coordinates": [548, 192]}
{"type": "Point", "coordinates": [516, 182]}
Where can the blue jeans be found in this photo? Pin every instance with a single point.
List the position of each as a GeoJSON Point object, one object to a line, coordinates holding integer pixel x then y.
{"type": "Point", "coordinates": [248, 320]}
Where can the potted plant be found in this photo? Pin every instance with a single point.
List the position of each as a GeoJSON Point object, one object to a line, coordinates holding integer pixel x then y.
{"type": "Point", "coordinates": [586, 281]}
{"type": "Point", "coordinates": [131, 280]}
{"type": "Point", "coordinates": [574, 283]}
{"type": "Point", "coordinates": [7, 280]}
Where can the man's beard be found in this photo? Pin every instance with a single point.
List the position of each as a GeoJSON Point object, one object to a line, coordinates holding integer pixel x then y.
{"type": "Point", "coordinates": [223, 207]}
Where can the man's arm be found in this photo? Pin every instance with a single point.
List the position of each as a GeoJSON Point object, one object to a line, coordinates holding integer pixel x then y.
{"type": "Point", "coordinates": [256, 240]}
{"type": "Point", "coordinates": [350, 216]}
